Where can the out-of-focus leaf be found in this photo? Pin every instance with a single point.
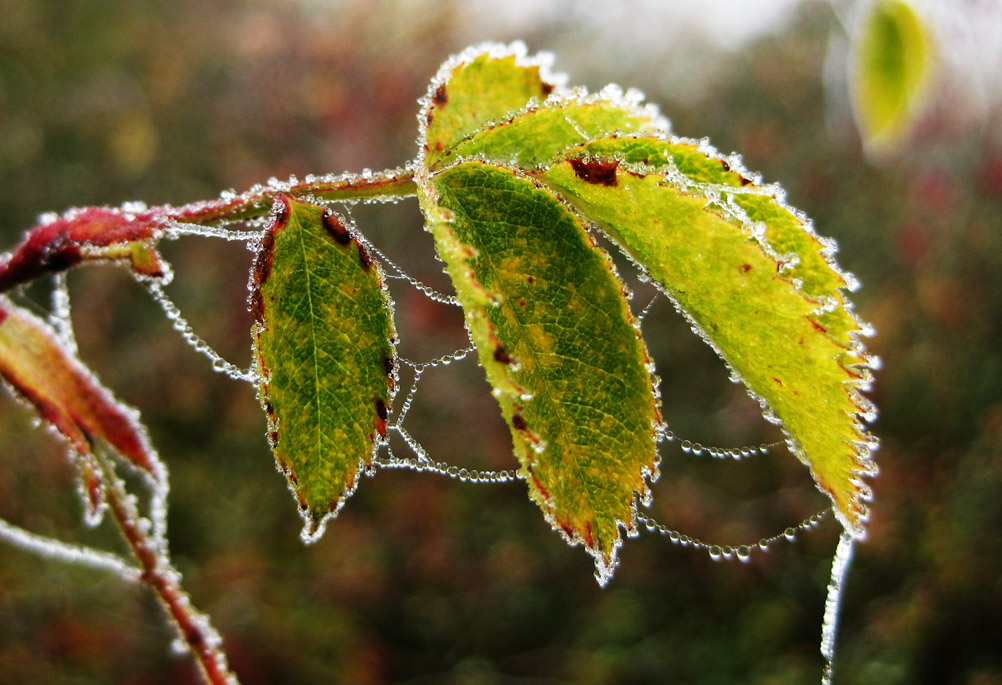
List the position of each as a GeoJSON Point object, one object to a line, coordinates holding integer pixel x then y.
{"type": "Point", "coordinates": [65, 394]}
{"type": "Point", "coordinates": [890, 67]}
{"type": "Point", "coordinates": [324, 348]}
{"type": "Point", "coordinates": [558, 343]}
{"type": "Point", "coordinates": [753, 281]}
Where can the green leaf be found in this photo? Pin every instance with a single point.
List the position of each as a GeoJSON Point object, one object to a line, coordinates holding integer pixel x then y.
{"type": "Point", "coordinates": [532, 138]}
{"type": "Point", "coordinates": [478, 87]}
{"type": "Point", "coordinates": [891, 66]}
{"type": "Point", "coordinates": [324, 348]}
{"type": "Point", "coordinates": [559, 345]}
{"type": "Point", "coordinates": [754, 283]}
{"type": "Point", "coordinates": [64, 392]}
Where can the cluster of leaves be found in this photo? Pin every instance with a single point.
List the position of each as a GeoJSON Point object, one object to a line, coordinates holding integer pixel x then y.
{"type": "Point", "coordinates": [515, 175]}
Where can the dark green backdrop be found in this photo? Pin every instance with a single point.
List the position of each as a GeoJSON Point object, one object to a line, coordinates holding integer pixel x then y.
{"type": "Point", "coordinates": [426, 580]}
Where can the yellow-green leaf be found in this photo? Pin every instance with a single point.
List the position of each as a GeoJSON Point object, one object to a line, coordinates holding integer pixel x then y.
{"type": "Point", "coordinates": [324, 347]}
{"type": "Point", "coordinates": [559, 345]}
{"type": "Point", "coordinates": [474, 89]}
{"type": "Point", "coordinates": [753, 281]}
{"type": "Point", "coordinates": [891, 65]}
{"type": "Point", "coordinates": [534, 137]}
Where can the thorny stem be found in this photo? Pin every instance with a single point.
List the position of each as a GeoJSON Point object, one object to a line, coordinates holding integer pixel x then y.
{"type": "Point", "coordinates": [164, 579]}
{"type": "Point", "coordinates": [104, 233]}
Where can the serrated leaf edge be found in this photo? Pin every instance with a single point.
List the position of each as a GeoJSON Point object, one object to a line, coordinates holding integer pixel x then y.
{"type": "Point", "coordinates": [604, 567]}
{"type": "Point", "coordinates": [314, 529]}
{"type": "Point", "coordinates": [865, 443]}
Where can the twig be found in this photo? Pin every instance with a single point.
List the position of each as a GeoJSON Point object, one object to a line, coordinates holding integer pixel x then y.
{"type": "Point", "coordinates": [158, 572]}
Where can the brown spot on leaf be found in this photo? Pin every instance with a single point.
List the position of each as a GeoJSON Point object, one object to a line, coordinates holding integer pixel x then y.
{"type": "Point", "coordinates": [441, 96]}
{"type": "Point", "coordinates": [3, 315]}
{"type": "Point", "coordinates": [501, 355]}
{"type": "Point", "coordinates": [745, 268]}
{"type": "Point", "coordinates": [262, 264]}
{"type": "Point", "coordinates": [531, 279]}
{"type": "Point", "coordinates": [363, 257]}
{"type": "Point", "coordinates": [518, 422]}
{"type": "Point", "coordinates": [335, 228]}
{"type": "Point", "coordinates": [381, 414]}
{"type": "Point", "coordinates": [597, 172]}
{"type": "Point", "coordinates": [777, 380]}
{"type": "Point", "coordinates": [546, 88]}
{"type": "Point", "coordinates": [745, 181]}
{"type": "Point", "coordinates": [387, 364]}
{"type": "Point", "coordinates": [257, 305]}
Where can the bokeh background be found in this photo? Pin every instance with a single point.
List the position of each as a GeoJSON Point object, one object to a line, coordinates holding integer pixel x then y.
{"type": "Point", "coordinates": [422, 579]}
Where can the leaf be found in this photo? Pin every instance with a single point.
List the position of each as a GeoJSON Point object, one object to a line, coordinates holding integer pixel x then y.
{"type": "Point", "coordinates": [559, 345]}
{"type": "Point", "coordinates": [324, 346]}
{"type": "Point", "coordinates": [753, 282]}
{"type": "Point", "coordinates": [747, 270]}
{"type": "Point", "coordinates": [475, 88]}
{"type": "Point", "coordinates": [86, 235]}
{"type": "Point", "coordinates": [891, 67]}
{"type": "Point", "coordinates": [65, 394]}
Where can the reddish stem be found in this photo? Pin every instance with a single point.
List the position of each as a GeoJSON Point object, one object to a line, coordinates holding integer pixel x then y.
{"type": "Point", "coordinates": [106, 234]}
{"type": "Point", "coordinates": [163, 578]}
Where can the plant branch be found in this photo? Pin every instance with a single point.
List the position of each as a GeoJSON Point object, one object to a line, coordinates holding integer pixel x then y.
{"type": "Point", "coordinates": [127, 235]}
{"type": "Point", "coordinates": [158, 572]}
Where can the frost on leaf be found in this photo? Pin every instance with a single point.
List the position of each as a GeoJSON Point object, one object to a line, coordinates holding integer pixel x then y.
{"type": "Point", "coordinates": [323, 340]}
{"type": "Point", "coordinates": [476, 88]}
{"type": "Point", "coordinates": [756, 284]}
{"type": "Point", "coordinates": [66, 395]}
{"type": "Point", "coordinates": [748, 271]}
{"type": "Point", "coordinates": [559, 345]}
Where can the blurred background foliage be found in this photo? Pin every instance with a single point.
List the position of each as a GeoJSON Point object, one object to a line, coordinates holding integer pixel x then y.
{"type": "Point", "coordinates": [422, 579]}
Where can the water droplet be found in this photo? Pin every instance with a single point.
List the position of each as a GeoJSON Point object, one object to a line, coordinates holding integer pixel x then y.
{"type": "Point", "coordinates": [714, 552]}
{"type": "Point", "coordinates": [744, 553]}
{"type": "Point", "coordinates": [790, 534]}
{"type": "Point", "coordinates": [686, 446]}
